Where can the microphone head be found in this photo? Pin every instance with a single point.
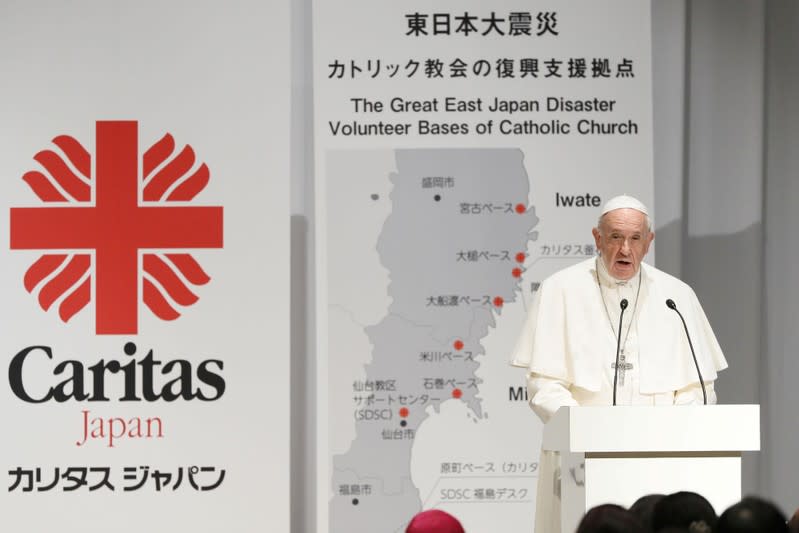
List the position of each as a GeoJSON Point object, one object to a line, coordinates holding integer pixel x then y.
{"type": "Point", "coordinates": [670, 304]}
{"type": "Point", "coordinates": [623, 303]}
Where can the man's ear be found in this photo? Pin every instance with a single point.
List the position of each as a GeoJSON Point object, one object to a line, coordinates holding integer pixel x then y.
{"type": "Point", "coordinates": [650, 238]}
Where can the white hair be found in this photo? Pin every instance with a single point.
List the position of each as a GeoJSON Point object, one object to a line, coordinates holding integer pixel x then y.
{"type": "Point", "coordinates": [649, 222]}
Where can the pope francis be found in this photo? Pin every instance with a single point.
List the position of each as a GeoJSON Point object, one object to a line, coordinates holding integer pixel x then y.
{"type": "Point", "coordinates": [571, 336]}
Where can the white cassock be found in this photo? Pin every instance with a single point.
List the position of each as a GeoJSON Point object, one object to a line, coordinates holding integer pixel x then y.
{"type": "Point", "coordinates": [568, 347]}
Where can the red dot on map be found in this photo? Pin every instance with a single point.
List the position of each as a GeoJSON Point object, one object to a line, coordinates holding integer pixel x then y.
{"type": "Point", "coordinates": [520, 208]}
{"type": "Point", "coordinates": [403, 412]}
{"type": "Point", "coordinates": [517, 272]}
{"type": "Point", "coordinates": [498, 301]}
{"type": "Point", "coordinates": [458, 344]}
{"type": "Point", "coordinates": [520, 257]}
{"type": "Point", "coordinates": [457, 393]}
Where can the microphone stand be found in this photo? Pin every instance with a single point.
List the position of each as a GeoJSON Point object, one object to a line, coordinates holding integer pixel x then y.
{"type": "Point", "coordinates": [671, 305]}
{"type": "Point", "coordinates": [623, 306]}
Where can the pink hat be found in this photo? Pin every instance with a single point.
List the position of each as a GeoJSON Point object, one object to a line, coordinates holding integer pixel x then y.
{"type": "Point", "coordinates": [434, 521]}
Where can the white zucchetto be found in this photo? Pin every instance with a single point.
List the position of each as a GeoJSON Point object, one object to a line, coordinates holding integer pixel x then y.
{"type": "Point", "coordinates": [624, 202]}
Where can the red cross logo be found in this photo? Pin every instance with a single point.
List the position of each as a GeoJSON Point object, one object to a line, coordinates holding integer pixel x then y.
{"type": "Point", "coordinates": [117, 227]}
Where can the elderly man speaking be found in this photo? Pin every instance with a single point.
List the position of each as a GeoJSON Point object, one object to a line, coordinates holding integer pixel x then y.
{"type": "Point", "coordinates": [572, 335]}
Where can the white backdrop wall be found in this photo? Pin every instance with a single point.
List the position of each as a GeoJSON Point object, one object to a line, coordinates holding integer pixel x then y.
{"type": "Point", "coordinates": [726, 179]}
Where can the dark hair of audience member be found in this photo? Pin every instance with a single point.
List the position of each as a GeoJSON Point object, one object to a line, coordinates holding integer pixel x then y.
{"type": "Point", "coordinates": [643, 507]}
{"type": "Point", "coordinates": [610, 518]}
{"type": "Point", "coordinates": [434, 521]}
{"type": "Point", "coordinates": [752, 515]}
{"type": "Point", "coordinates": [684, 509]}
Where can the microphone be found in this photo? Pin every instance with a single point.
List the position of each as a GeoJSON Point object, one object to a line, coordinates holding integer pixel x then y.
{"type": "Point", "coordinates": [671, 305]}
{"type": "Point", "coordinates": [623, 306]}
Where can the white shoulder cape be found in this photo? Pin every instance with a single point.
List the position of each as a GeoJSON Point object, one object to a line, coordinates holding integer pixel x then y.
{"type": "Point", "coordinates": [566, 335]}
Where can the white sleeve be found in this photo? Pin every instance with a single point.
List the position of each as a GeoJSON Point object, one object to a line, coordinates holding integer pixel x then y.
{"type": "Point", "coordinates": [692, 395]}
{"type": "Point", "coordinates": [546, 395]}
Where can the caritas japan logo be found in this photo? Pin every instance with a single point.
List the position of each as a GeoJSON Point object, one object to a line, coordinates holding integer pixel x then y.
{"type": "Point", "coordinates": [117, 213]}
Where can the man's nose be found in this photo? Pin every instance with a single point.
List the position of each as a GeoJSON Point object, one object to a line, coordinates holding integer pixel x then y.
{"type": "Point", "coordinates": [625, 246]}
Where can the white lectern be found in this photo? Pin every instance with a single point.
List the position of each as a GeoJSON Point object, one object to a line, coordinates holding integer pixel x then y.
{"type": "Point", "coordinates": [618, 454]}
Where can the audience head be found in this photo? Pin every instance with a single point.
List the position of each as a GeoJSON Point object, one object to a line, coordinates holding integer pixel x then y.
{"type": "Point", "coordinates": [752, 515]}
{"type": "Point", "coordinates": [686, 510]}
{"type": "Point", "coordinates": [643, 507]}
{"type": "Point", "coordinates": [793, 523]}
{"type": "Point", "coordinates": [610, 518]}
{"type": "Point", "coordinates": [434, 521]}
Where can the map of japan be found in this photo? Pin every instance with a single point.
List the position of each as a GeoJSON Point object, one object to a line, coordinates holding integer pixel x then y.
{"type": "Point", "coordinates": [453, 244]}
